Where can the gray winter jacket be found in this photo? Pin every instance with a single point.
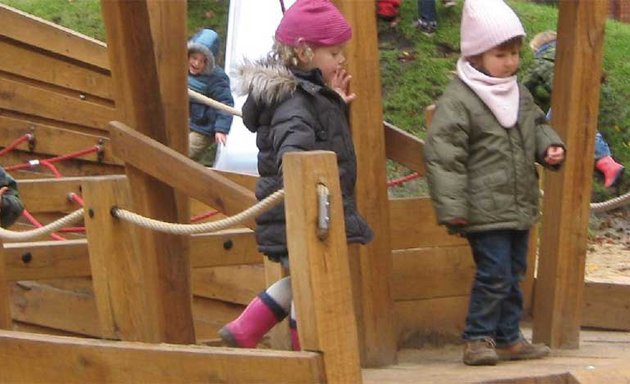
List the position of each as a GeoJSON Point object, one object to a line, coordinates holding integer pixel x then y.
{"type": "Point", "coordinates": [480, 171]}
{"type": "Point", "coordinates": [295, 111]}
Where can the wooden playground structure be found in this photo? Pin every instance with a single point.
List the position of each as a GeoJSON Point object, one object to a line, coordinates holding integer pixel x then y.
{"type": "Point", "coordinates": [119, 303]}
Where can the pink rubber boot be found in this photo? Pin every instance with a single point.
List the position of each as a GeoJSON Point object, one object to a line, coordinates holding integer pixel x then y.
{"type": "Point", "coordinates": [611, 170]}
{"type": "Point", "coordinates": [247, 330]}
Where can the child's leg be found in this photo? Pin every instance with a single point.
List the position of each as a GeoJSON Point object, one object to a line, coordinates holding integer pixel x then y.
{"type": "Point", "coordinates": [261, 314]}
{"type": "Point", "coordinates": [197, 143]}
{"type": "Point", "coordinates": [492, 254]}
{"type": "Point", "coordinates": [295, 340]}
{"type": "Point", "coordinates": [508, 329]}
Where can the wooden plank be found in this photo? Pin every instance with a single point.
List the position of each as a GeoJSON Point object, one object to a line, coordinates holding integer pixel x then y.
{"type": "Point", "coordinates": [97, 361]}
{"type": "Point", "coordinates": [425, 273]}
{"type": "Point", "coordinates": [67, 310]}
{"type": "Point", "coordinates": [320, 271]}
{"type": "Point", "coordinates": [366, 115]}
{"type": "Point", "coordinates": [55, 140]}
{"type": "Point", "coordinates": [5, 298]}
{"type": "Point", "coordinates": [180, 172]}
{"type": "Point", "coordinates": [51, 37]}
{"type": "Point", "coordinates": [442, 316]}
{"type": "Point", "coordinates": [234, 284]}
{"type": "Point", "coordinates": [246, 180]}
{"type": "Point", "coordinates": [140, 104]}
{"type": "Point", "coordinates": [59, 71]}
{"type": "Point", "coordinates": [55, 198]}
{"type": "Point", "coordinates": [230, 247]}
{"type": "Point", "coordinates": [404, 148]}
{"type": "Point", "coordinates": [66, 107]}
{"type": "Point", "coordinates": [37, 260]}
{"type": "Point", "coordinates": [415, 225]}
{"type": "Point", "coordinates": [606, 306]}
{"type": "Point", "coordinates": [47, 260]}
{"type": "Point", "coordinates": [210, 315]}
{"type": "Point", "coordinates": [560, 282]}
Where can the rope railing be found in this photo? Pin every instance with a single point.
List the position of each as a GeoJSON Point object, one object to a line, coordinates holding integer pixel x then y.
{"type": "Point", "coordinates": [188, 229]}
{"type": "Point", "coordinates": [613, 203]}
{"type": "Point", "coordinates": [6, 234]}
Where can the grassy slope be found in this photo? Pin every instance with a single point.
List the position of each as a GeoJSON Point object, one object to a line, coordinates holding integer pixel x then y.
{"type": "Point", "coordinates": [415, 68]}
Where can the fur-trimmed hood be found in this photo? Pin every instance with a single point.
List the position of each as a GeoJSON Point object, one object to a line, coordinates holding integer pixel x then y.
{"type": "Point", "coordinates": [206, 42]}
{"type": "Point", "coordinates": [267, 81]}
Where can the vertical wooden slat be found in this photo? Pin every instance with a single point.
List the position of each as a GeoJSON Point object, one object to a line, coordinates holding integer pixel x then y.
{"type": "Point", "coordinates": [5, 298]}
{"type": "Point", "coordinates": [560, 282]}
{"type": "Point", "coordinates": [124, 310]}
{"type": "Point", "coordinates": [320, 272]}
{"type": "Point", "coordinates": [374, 301]}
{"type": "Point", "coordinates": [139, 104]}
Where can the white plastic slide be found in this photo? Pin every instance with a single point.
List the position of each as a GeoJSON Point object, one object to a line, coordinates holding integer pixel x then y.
{"type": "Point", "coordinates": [251, 26]}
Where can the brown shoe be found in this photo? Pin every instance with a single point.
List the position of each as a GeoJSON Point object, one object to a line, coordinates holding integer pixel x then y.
{"type": "Point", "coordinates": [523, 350]}
{"type": "Point", "coordinates": [480, 352]}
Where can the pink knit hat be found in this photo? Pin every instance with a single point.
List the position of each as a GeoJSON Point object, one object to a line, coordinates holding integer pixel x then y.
{"type": "Point", "coordinates": [316, 22]}
{"type": "Point", "coordinates": [486, 24]}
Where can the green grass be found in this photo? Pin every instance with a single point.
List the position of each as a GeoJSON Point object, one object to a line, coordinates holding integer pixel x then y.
{"type": "Point", "coordinates": [414, 68]}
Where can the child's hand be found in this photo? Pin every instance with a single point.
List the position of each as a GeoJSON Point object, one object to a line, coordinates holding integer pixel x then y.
{"type": "Point", "coordinates": [340, 83]}
{"type": "Point", "coordinates": [554, 155]}
{"type": "Point", "coordinates": [220, 138]}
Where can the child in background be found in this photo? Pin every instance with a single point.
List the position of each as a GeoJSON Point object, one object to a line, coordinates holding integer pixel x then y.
{"type": "Point", "coordinates": [539, 80]}
{"type": "Point", "coordinates": [207, 125]}
{"type": "Point", "coordinates": [296, 102]}
{"type": "Point", "coordinates": [11, 206]}
{"type": "Point", "coordinates": [484, 138]}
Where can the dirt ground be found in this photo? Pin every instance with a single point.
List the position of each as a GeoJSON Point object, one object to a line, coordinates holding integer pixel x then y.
{"type": "Point", "coordinates": [608, 254]}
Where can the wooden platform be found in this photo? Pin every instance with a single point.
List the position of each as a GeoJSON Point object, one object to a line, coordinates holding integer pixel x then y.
{"type": "Point", "coordinates": [602, 358]}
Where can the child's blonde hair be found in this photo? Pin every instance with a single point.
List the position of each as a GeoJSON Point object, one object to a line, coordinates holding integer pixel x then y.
{"type": "Point", "coordinates": [541, 39]}
{"type": "Point", "coordinates": [287, 54]}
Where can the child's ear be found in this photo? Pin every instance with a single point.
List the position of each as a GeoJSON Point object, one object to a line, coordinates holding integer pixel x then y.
{"type": "Point", "coordinates": [302, 54]}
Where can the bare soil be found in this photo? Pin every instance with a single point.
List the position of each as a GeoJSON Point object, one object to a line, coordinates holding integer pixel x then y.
{"type": "Point", "coordinates": [608, 253]}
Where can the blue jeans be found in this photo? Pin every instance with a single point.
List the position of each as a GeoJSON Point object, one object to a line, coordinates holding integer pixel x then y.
{"type": "Point", "coordinates": [496, 299]}
{"type": "Point", "coordinates": [601, 146]}
{"type": "Point", "coordinates": [426, 11]}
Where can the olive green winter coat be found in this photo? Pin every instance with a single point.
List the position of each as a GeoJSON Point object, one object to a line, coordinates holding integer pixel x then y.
{"type": "Point", "coordinates": [480, 171]}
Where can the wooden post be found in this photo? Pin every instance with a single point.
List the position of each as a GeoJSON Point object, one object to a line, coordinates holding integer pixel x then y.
{"type": "Point", "coordinates": [124, 309]}
{"type": "Point", "coordinates": [6, 321]}
{"type": "Point", "coordinates": [373, 297]}
{"type": "Point", "coordinates": [575, 104]}
{"type": "Point", "coordinates": [320, 272]}
{"type": "Point", "coordinates": [139, 104]}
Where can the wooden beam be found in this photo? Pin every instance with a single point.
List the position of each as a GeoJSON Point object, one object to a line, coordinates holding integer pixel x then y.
{"type": "Point", "coordinates": [606, 306]}
{"type": "Point", "coordinates": [140, 104]}
{"type": "Point", "coordinates": [374, 302]}
{"type": "Point", "coordinates": [47, 260]}
{"type": "Point", "coordinates": [560, 282]}
{"type": "Point", "coordinates": [180, 172]}
{"type": "Point", "coordinates": [404, 148]}
{"type": "Point", "coordinates": [319, 267]}
{"type": "Point", "coordinates": [123, 278]}
{"type": "Point", "coordinates": [96, 361]}
{"type": "Point", "coordinates": [51, 37]}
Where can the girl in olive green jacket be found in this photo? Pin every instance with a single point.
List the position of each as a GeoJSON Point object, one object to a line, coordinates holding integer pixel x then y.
{"type": "Point", "coordinates": [482, 144]}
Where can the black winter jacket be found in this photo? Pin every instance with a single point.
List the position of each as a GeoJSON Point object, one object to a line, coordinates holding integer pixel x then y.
{"type": "Point", "coordinates": [295, 111]}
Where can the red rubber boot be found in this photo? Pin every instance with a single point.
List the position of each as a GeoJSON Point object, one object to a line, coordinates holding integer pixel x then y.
{"type": "Point", "coordinates": [611, 170]}
{"type": "Point", "coordinates": [248, 329]}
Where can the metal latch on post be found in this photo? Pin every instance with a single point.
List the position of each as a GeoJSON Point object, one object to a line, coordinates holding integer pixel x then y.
{"type": "Point", "coordinates": [323, 211]}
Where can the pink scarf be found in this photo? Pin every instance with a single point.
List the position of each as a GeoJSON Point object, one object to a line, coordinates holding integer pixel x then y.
{"type": "Point", "coordinates": [500, 94]}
